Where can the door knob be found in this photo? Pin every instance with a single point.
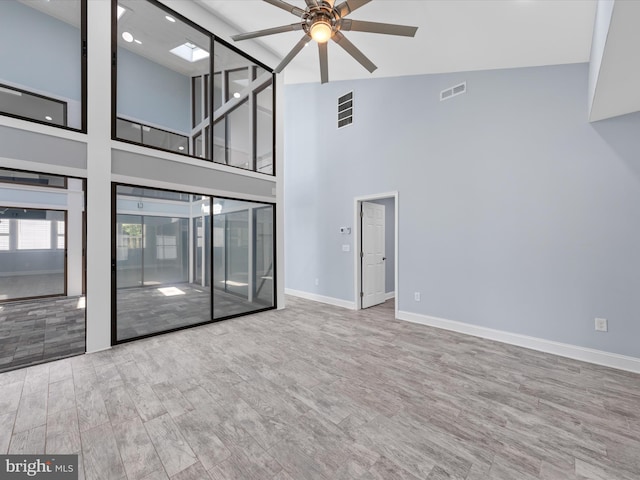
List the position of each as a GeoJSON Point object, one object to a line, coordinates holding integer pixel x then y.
{"type": "Point", "coordinates": [384, 258]}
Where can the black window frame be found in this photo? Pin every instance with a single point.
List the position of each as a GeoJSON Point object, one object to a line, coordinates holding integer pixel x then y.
{"type": "Point", "coordinates": [114, 263]}
{"type": "Point", "coordinates": [209, 100]}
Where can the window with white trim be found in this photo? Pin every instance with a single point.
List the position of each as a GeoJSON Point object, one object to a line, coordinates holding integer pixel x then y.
{"type": "Point", "coordinates": [34, 234]}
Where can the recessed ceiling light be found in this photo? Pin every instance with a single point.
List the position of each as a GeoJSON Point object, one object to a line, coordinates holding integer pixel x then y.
{"type": "Point", "coordinates": [137, 41]}
{"type": "Point", "coordinates": [236, 95]}
{"type": "Point", "coordinates": [121, 11]}
{"type": "Point", "coordinates": [48, 117]}
{"type": "Point", "coordinates": [180, 147]}
{"type": "Point", "coordinates": [170, 18]}
{"type": "Point", "coordinates": [127, 37]}
{"type": "Point", "coordinates": [190, 52]}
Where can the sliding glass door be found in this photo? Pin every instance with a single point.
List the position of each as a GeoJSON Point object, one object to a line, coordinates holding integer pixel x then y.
{"type": "Point", "coordinates": [168, 244]}
{"type": "Point", "coordinates": [243, 257]}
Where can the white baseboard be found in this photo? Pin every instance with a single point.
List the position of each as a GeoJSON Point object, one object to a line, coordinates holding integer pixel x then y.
{"type": "Point", "coordinates": [389, 295]}
{"type": "Point", "coordinates": [590, 355]}
{"type": "Point", "coordinates": [321, 298]}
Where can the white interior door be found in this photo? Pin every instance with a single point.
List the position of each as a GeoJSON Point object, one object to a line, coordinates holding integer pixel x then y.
{"type": "Point", "coordinates": [373, 268]}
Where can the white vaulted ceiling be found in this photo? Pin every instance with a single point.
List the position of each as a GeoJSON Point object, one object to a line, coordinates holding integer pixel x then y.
{"type": "Point", "coordinates": [453, 35]}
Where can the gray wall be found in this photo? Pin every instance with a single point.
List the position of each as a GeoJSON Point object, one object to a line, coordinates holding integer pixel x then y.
{"type": "Point", "coordinates": [150, 92]}
{"type": "Point", "coordinates": [515, 212]}
{"type": "Point", "coordinates": [389, 242]}
{"type": "Point", "coordinates": [39, 51]}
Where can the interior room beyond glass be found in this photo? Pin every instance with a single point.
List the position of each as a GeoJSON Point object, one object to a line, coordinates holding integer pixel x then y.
{"type": "Point", "coordinates": [184, 259]}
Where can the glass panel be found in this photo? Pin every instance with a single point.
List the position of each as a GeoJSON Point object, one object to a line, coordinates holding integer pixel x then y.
{"type": "Point", "coordinates": [157, 61]}
{"type": "Point", "coordinates": [237, 81]}
{"type": "Point", "coordinates": [196, 92]}
{"type": "Point", "coordinates": [129, 251]}
{"type": "Point", "coordinates": [127, 130]}
{"type": "Point", "coordinates": [198, 144]}
{"type": "Point", "coordinates": [237, 253]}
{"type": "Point", "coordinates": [37, 107]}
{"type": "Point", "coordinates": [31, 264]}
{"type": "Point", "coordinates": [28, 178]}
{"type": "Point", "coordinates": [219, 149]}
{"type": "Point", "coordinates": [154, 137]}
{"type": "Point", "coordinates": [41, 61]}
{"type": "Point", "coordinates": [260, 71]}
{"type": "Point", "coordinates": [264, 248]}
{"type": "Point", "coordinates": [34, 265]}
{"type": "Point", "coordinates": [264, 130]}
{"type": "Point", "coordinates": [218, 91]}
{"type": "Point", "coordinates": [202, 245]}
{"type": "Point", "coordinates": [242, 231]}
{"type": "Point", "coordinates": [239, 137]}
{"type": "Point", "coordinates": [243, 127]}
{"type": "Point", "coordinates": [167, 255]}
{"type": "Point", "coordinates": [206, 95]}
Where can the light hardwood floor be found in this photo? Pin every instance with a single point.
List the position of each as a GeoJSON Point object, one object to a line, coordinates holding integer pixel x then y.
{"type": "Point", "coordinates": [319, 392]}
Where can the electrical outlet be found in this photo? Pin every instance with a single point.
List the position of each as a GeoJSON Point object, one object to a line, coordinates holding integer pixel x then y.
{"type": "Point", "coordinates": [416, 296]}
{"type": "Point", "coordinates": [317, 282]}
{"type": "Point", "coordinates": [601, 325]}
{"type": "Point", "coordinates": [346, 248]}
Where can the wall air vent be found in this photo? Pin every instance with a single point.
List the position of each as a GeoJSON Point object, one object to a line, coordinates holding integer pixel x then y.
{"type": "Point", "coordinates": [345, 110]}
{"type": "Point", "coordinates": [453, 91]}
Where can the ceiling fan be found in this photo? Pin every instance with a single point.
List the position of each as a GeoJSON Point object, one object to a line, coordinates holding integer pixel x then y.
{"type": "Point", "coordinates": [322, 21]}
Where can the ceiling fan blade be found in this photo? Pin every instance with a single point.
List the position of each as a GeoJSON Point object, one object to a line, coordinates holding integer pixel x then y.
{"type": "Point", "coordinates": [352, 50]}
{"type": "Point", "coordinates": [287, 6]}
{"type": "Point", "coordinates": [311, 3]}
{"type": "Point", "coordinates": [268, 31]}
{"type": "Point", "coordinates": [330, 2]}
{"type": "Point", "coordinates": [345, 8]}
{"type": "Point", "coordinates": [294, 51]}
{"type": "Point", "coordinates": [375, 27]}
{"type": "Point", "coordinates": [324, 63]}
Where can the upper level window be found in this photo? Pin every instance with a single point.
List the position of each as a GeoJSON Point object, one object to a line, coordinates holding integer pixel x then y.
{"type": "Point", "coordinates": [42, 61]}
{"type": "Point", "coordinates": [180, 91]}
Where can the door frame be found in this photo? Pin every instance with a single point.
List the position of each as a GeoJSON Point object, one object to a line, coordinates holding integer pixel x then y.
{"type": "Point", "coordinates": [357, 242]}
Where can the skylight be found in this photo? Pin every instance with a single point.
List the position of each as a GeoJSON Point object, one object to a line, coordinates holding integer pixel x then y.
{"type": "Point", "coordinates": [190, 52]}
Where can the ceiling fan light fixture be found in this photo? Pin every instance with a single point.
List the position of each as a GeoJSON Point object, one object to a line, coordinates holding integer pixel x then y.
{"type": "Point", "coordinates": [321, 31]}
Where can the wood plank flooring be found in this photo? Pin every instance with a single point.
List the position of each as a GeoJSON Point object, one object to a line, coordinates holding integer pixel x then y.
{"type": "Point", "coordinates": [319, 392]}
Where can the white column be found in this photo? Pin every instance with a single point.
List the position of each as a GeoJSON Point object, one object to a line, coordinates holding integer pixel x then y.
{"type": "Point", "coordinates": [99, 176]}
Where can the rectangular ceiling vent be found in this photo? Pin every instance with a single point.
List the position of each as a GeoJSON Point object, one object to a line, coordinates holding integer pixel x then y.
{"type": "Point", "coordinates": [345, 110]}
{"type": "Point", "coordinates": [451, 92]}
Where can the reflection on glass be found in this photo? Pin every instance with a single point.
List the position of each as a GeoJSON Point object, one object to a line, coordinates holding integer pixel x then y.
{"type": "Point", "coordinates": [162, 258]}
{"type": "Point", "coordinates": [166, 248]}
{"type": "Point", "coordinates": [196, 94]}
{"type": "Point", "coordinates": [166, 254]}
{"type": "Point", "coordinates": [243, 125]}
{"type": "Point", "coordinates": [161, 75]}
{"type": "Point", "coordinates": [29, 178]}
{"type": "Point", "coordinates": [218, 91]}
{"type": "Point", "coordinates": [36, 107]}
{"type": "Point", "coordinates": [264, 255]}
{"type": "Point", "coordinates": [153, 137]}
{"type": "Point", "coordinates": [32, 253]}
{"type": "Point", "coordinates": [41, 61]}
{"type": "Point", "coordinates": [264, 130]}
{"type": "Point", "coordinates": [219, 142]}
{"type": "Point", "coordinates": [239, 137]}
{"type": "Point", "coordinates": [237, 81]}
{"type": "Point", "coordinates": [243, 256]}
